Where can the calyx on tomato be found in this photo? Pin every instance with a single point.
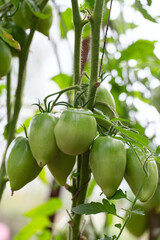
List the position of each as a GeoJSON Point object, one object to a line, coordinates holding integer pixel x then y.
{"type": "Point", "coordinates": [5, 58]}
{"type": "Point", "coordinates": [21, 166]}
{"type": "Point", "coordinates": [137, 178]}
{"type": "Point", "coordinates": [106, 104]}
{"type": "Point", "coordinates": [108, 162]}
{"type": "Point", "coordinates": [61, 166]}
{"type": "Point", "coordinates": [75, 131]}
{"type": "Point", "coordinates": [41, 137]}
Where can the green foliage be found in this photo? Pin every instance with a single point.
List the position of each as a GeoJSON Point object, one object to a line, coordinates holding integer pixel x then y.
{"type": "Point", "coordinates": [66, 23]}
{"type": "Point", "coordinates": [95, 207]}
{"type": "Point", "coordinates": [144, 12]}
{"type": "Point", "coordinates": [63, 80]}
{"type": "Point", "coordinates": [45, 210]}
{"type": "Point", "coordinates": [32, 228]}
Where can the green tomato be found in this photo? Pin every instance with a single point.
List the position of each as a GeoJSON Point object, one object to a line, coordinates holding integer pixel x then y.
{"type": "Point", "coordinates": [23, 16]}
{"type": "Point", "coordinates": [18, 33]}
{"type": "Point", "coordinates": [104, 96]}
{"type": "Point", "coordinates": [136, 176]}
{"type": "Point", "coordinates": [5, 58]}
{"type": "Point", "coordinates": [138, 224]}
{"type": "Point", "coordinates": [44, 25]}
{"type": "Point", "coordinates": [75, 131]}
{"type": "Point", "coordinates": [61, 166]}
{"type": "Point", "coordinates": [108, 162]}
{"type": "Point", "coordinates": [155, 98]}
{"type": "Point", "coordinates": [154, 202]}
{"type": "Point", "coordinates": [41, 137]}
{"type": "Point", "coordinates": [21, 167]}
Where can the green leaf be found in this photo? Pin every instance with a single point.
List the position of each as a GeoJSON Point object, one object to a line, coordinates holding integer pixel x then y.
{"type": "Point", "coordinates": [35, 10]}
{"type": "Point", "coordinates": [15, 3]}
{"type": "Point", "coordinates": [91, 186]}
{"type": "Point", "coordinates": [46, 209]}
{"type": "Point", "coordinates": [66, 23]}
{"type": "Point", "coordinates": [118, 225]}
{"type": "Point", "coordinates": [119, 194]}
{"type": "Point", "coordinates": [44, 235]}
{"type": "Point", "coordinates": [158, 149]}
{"type": "Point", "coordinates": [26, 123]}
{"type": "Point", "coordinates": [42, 176]}
{"type": "Point", "coordinates": [63, 80]}
{"type": "Point", "coordinates": [7, 37]}
{"type": "Point", "coordinates": [134, 136]}
{"type": "Point", "coordinates": [2, 87]}
{"type": "Point", "coordinates": [106, 238]}
{"type": "Point", "coordinates": [32, 228]}
{"type": "Point", "coordinates": [140, 50]}
{"type": "Point", "coordinates": [135, 212]}
{"type": "Point", "coordinates": [95, 207]}
{"type": "Point", "coordinates": [89, 4]}
{"type": "Point", "coordinates": [149, 2]}
{"type": "Point", "coordinates": [144, 12]}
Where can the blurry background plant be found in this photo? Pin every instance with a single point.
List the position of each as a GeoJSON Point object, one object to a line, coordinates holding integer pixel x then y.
{"type": "Point", "coordinates": [131, 70]}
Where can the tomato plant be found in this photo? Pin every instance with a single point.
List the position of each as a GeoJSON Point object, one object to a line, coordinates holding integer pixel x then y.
{"type": "Point", "coordinates": [6, 57]}
{"type": "Point", "coordinates": [108, 162]}
{"type": "Point", "coordinates": [75, 131]}
{"type": "Point", "coordinates": [141, 175]}
{"type": "Point", "coordinates": [41, 137]}
{"type": "Point", "coordinates": [21, 166]}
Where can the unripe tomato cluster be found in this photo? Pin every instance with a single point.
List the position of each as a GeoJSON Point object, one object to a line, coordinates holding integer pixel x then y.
{"type": "Point", "coordinates": [56, 142]}
{"type": "Point", "coordinates": [17, 29]}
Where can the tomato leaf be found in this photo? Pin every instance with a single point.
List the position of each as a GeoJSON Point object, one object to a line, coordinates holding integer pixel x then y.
{"type": "Point", "coordinates": [9, 39]}
{"type": "Point", "coordinates": [63, 80]}
{"type": "Point", "coordinates": [106, 238]}
{"type": "Point", "coordinates": [95, 207]}
{"type": "Point", "coordinates": [46, 209]}
{"type": "Point", "coordinates": [32, 228]}
{"type": "Point", "coordinates": [118, 225]}
{"type": "Point", "coordinates": [144, 12]}
{"type": "Point", "coordinates": [136, 211]}
{"type": "Point", "coordinates": [42, 176]}
{"type": "Point", "coordinates": [149, 2]}
{"type": "Point", "coordinates": [119, 194]}
{"type": "Point", "coordinates": [91, 186]}
{"type": "Point", "coordinates": [66, 23]}
{"type": "Point", "coordinates": [44, 235]}
{"type": "Point", "coordinates": [36, 11]}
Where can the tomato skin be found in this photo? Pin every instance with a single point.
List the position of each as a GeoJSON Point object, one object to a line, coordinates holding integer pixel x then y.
{"type": "Point", "coordinates": [154, 202]}
{"type": "Point", "coordinates": [61, 166]}
{"type": "Point", "coordinates": [75, 131]}
{"type": "Point", "coordinates": [135, 176]}
{"type": "Point", "coordinates": [41, 137]}
{"type": "Point", "coordinates": [138, 224]}
{"type": "Point", "coordinates": [108, 162]}
{"type": "Point", "coordinates": [21, 167]}
{"type": "Point", "coordinates": [104, 96]}
{"type": "Point", "coordinates": [44, 25]}
{"type": "Point", "coordinates": [5, 57]}
{"type": "Point", "coordinates": [155, 98]}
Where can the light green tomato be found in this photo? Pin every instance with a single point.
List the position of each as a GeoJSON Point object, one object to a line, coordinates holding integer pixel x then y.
{"type": "Point", "coordinates": [23, 16]}
{"type": "Point", "coordinates": [154, 202]}
{"type": "Point", "coordinates": [41, 137]}
{"type": "Point", "coordinates": [61, 166]}
{"type": "Point", "coordinates": [5, 58]}
{"type": "Point", "coordinates": [75, 131]}
{"type": "Point", "coordinates": [21, 167]}
{"type": "Point", "coordinates": [104, 96]}
{"type": "Point", "coordinates": [108, 162]}
{"type": "Point", "coordinates": [44, 25]}
{"type": "Point", "coordinates": [136, 176]}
